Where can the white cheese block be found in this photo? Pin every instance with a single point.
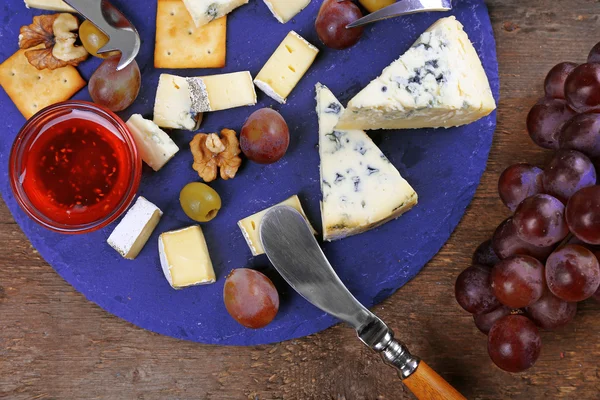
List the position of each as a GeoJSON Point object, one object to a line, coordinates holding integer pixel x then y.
{"type": "Point", "coordinates": [177, 103]}
{"type": "Point", "coordinates": [225, 91]}
{"type": "Point", "coordinates": [134, 230]}
{"type": "Point", "coordinates": [250, 226]}
{"type": "Point", "coordinates": [438, 82]}
{"type": "Point", "coordinates": [286, 67]}
{"type": "Point", "coordinates": [284, 10]}
{"type": "Point", "coordinates": [155, 146]}
{"type": "Point", "coordinates": [50, 5]}
{"type": "Point", "coordinates": [361, 188]}
{"type": "Point", "coordinates": [185, 259]}
{"type": "Point", "coordinates": [205, 11]}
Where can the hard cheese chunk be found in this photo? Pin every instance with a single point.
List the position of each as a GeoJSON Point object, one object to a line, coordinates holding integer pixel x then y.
{"type": "Point", "coordinates": [286, 67]}
{"type": "Point", "coordinates": [205, 11]}
{"type": "Point", "coordinates": [177, 103]}
{"type": "Point", "coordinates": [250, 226]}
{"type": "Point", "coordinates": [438, 82]}
{"type": "Point", "coordinates": [225, 91]}
{"type": "Point", "coordinates": [284, 10]}
{"type": "Point", "coordinates": [361, 188]}
{"type": "Point", "coordinates": [155, 146]}
{"type": "Point", "coordinates": [134, 230]}
{"type": "Point", "coordinates": [51, 5]}
{"type": "Point", "coordinates": [185, 259]}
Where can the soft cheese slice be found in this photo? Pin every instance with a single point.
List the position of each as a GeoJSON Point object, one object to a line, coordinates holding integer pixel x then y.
{"type": "Point", "coordinates": [438, 82]}
{"type": "Point", "coordinates": [134, 230]}
{"type": "Point", "coordinates": [50, 5]}
{"type": "Point", "coordinates": [250, 226]}
{"type": "Point", "coordinates": [155, 146]}
{"type": "Point", "coordinates": [177, 104]}
{"type": "Point", "coordinates": [185, 259]}
{"type": "Point", "coordinates": [205, 11]}
{"type": "Point", "coordinates": [225, 91]}
{"type": "Point", "coordinates": [284, 10]}
{"type": "Point", "coordinates": [286, 67]}
{"type": "Point", "coordinates": [361, 188]}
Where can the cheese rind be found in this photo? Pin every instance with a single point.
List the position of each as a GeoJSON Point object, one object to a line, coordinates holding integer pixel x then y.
{"type": "Point", "coordinates": [155, 146]}
{"type": "Point", "coordinates": [250, 226]}
{"type": "Point", "coordinates": [286, 67]}
{"type": "Point", "coordinates": [205, 11]}
{"type": "Point", "coordinates": [361, 188]}
{"type": "Point", "coordinates": [284, 10]}
{"type": "Point", "coordinates": [185, 259]}
{"type": "Point", "coordinates": [50, 5]}
{"type": "Point", "coordinates": [134, 230]}
{"type": "Point", "coordinates": [438, 82]}
{"type": "Point", "coordinates": [177, 104]}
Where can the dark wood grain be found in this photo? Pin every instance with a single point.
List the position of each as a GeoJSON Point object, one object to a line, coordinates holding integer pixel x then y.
{"type": "Point", "coordinates": [54, 344]}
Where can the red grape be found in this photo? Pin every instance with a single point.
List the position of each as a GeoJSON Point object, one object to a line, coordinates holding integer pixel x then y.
{"type": "Point", "coordinates": [545, 120]}
{"type": "Point", "coordinates": [265, 136]}
{"type": "Point", "coordinates": [518, 281]}
{"type": "Point", "coordinates": [597, 294]}
{"type": "Point", "coordinates": [485, 255]}
{"type": "Point", "coordinates": [582, 88]}
{"type": "Point", "coordinates": [568, 172]}
{"type": "Point", "coordinates": [484, 322]}
{"type": "Point", "coordinates": [573, 273]}
{"type": "Point", "coordinates": [594, 56]}
{"type": "Point", "coordinates": [514, 343]}
{"type": "Point", "coordinates": [550, 312]}
{"type": "Point", "coordinates": [583, 215]}
{"type": "Point", "coordinates": [333, 17]}
{"type": "Point", "coordinates": [555, 80]}
{"type": "Point", "coordinates": [582, 133]}
{"type": "Point", "coordinates": [540, 220]}
{"type": "Point", "coordinates": [473, 291]}
{"type": "Point", "coordinates": [507, 243]}
{"type": "Point", "coordinates": [250, 298]}
{"type": "Point", "coordinates": [518, 182]}
{"type": "Point", "coordinates": [116, 90]}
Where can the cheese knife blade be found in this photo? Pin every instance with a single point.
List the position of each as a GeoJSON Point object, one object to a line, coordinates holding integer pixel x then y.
{"type": "Point", "coordinates": [403, 7]}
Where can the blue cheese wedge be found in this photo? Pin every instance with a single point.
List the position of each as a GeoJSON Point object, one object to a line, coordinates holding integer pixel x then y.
{"type": "Point", "coordinates": [50, 5]}
{"type": "Point", "coordinates": [205, 11]}
{"type": "Point", "coordinates": [155, 146]}
{"type": "Point", "coordinates": [185, 259]}
{"type": "Point", "coordinates": [284, 10]}
{"type": "Point", "coordinates": [178, 103]}
{"type": "Point", "coordinates": [438, 82]}
{"type": "Point", "coordinates": [361, 188]}
{"type": "Point", "coordinates": [134, 230]}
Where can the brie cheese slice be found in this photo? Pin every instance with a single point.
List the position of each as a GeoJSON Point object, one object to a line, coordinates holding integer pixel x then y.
{"type": "Point", "coordinates": [50, 5]}
{"type": "Point", "coordinates": [284, 10]}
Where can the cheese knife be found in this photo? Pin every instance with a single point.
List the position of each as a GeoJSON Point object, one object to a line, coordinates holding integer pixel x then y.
{"type": "Point", "coordinates": [294, 252]}
{"type": "Point", "coordinates": [403, 7]}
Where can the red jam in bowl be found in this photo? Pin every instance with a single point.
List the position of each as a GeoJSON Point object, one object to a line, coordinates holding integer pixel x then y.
{"type": "Point", "coordinates": [74, 167]}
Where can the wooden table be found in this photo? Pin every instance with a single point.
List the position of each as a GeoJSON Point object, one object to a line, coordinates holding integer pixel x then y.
{"type": "Point", "coordinates": [54, 344]}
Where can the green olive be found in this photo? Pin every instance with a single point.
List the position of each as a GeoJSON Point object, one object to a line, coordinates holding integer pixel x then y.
{"type": "Point", "coordinates": [200, 202]}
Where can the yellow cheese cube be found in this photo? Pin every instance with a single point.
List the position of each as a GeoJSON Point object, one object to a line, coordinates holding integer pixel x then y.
{"type": "Point", "coordinates": [284, 10]}
{"type": "Point", "coordinates": [228, 91]}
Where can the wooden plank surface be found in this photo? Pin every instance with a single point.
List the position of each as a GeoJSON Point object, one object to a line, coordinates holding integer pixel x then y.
{"type": "Point", "coordinates": [54, 344]}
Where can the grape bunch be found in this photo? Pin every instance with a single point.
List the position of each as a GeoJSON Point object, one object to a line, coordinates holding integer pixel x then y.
{"type": "Point", "coordinates": [544, 259]}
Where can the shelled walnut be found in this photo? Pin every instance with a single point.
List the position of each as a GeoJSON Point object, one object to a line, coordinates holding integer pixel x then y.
{"type": "Point", "coordinates": [212, 152]}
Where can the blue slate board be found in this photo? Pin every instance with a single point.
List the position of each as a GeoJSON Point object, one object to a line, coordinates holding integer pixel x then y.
{"type": "Point", "coordinates": [444, 166]}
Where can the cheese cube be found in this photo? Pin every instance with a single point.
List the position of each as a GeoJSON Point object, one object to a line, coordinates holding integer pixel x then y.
{"type": "Point", "coordinates": [225, 91]}
{"type": "Point", "coordinates": [134, 230]}
{"type": "Point", "coordinates": [155, 146]}
{"type": "Point", "coordinates": [250, 226]}
{"type": "Point", "coordinates": [286, 67]}
{"type": "Point", "coordinates": [284, 10]}
{"type": "Point", "coordinates": [50, 5]}
{"type": "Point", "coordinates": [185, 259]}
{"type": "Point", "coordinates": [205, 11]}
{"type": "Point", "coordinates": [177, 104]}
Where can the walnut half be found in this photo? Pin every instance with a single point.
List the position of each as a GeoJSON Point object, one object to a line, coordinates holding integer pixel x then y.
{"type": "Point", "coordinates": [212, 152]}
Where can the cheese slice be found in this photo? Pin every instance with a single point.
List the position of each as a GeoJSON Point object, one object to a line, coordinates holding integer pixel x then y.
{"type": "Point", "coordinates": [185, 259]}
{"type": "Point", "coordinates": [205, 11]}
{"type": "Point", "coordinates": [225, 91]}
{"type": "Point", "coordinates": [177, 104]}
{"type": "Point", "coordinates": [361, 188]}
{"type": "Point", "coordinates": [155, 146]}
{"type": "Point", "coordinates": [250, 226]}
{"type": "Point", "coordinates": [284, 10]}
{"type": "Point", "coordinates": [286, 67]}
{"type": "Point", "coordinates": [438, 82]}
{"type": "Point", "coordinates": [50, 5]}
{"type": "Point", "coordinates": [134, 230]}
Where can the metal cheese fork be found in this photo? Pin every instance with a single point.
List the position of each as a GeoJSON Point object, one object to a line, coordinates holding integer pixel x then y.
{"type": "Point", "coordinates": [403, 7]}
{"type": "Point", "coordinates": [294, 252]}
{"type": "Point", "coordinates": [123, 36]}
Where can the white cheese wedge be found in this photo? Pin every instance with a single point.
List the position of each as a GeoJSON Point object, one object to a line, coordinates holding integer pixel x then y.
{"type": "Point", "coordinates": [155, 146]}
{"type": "Point", "coordinates": [50, 5]}
{"type": "Point", "coordinates": [438, 82]}
{"type": "Point", "coordinates": [205, 11]}
{"type": "Point", "coordinates": [286, 67]}
{"type": "Point", "coordinates": [177, 104]}
{"type": "Point", "coordinates": [250, 226]}
{"type": "Point", "coordinates": [284, 10]}
{"type": "Point", "coordinates": [185, 259]}
{"type": "Point", "coordinates": [225, 91]}
{"type": "Point", "coordinates": [361, 188]}
{"type": "Point", "coordinates": [134, 230]}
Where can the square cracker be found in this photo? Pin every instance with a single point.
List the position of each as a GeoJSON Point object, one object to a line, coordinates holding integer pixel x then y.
{"type": "Point", "coordinates": [179, 44]}
{"type": "Point", "coordinates": [31, 89]}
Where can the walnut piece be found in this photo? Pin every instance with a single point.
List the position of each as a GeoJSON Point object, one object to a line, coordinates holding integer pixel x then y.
{"type": "Point", "coordinates": [55, 33]}
{"type": "Point", "coordinates": [212, 152]}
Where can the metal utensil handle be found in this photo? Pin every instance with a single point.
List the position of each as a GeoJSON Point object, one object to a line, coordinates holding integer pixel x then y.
{"type": "Point", "coordinates": [403, 7]}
